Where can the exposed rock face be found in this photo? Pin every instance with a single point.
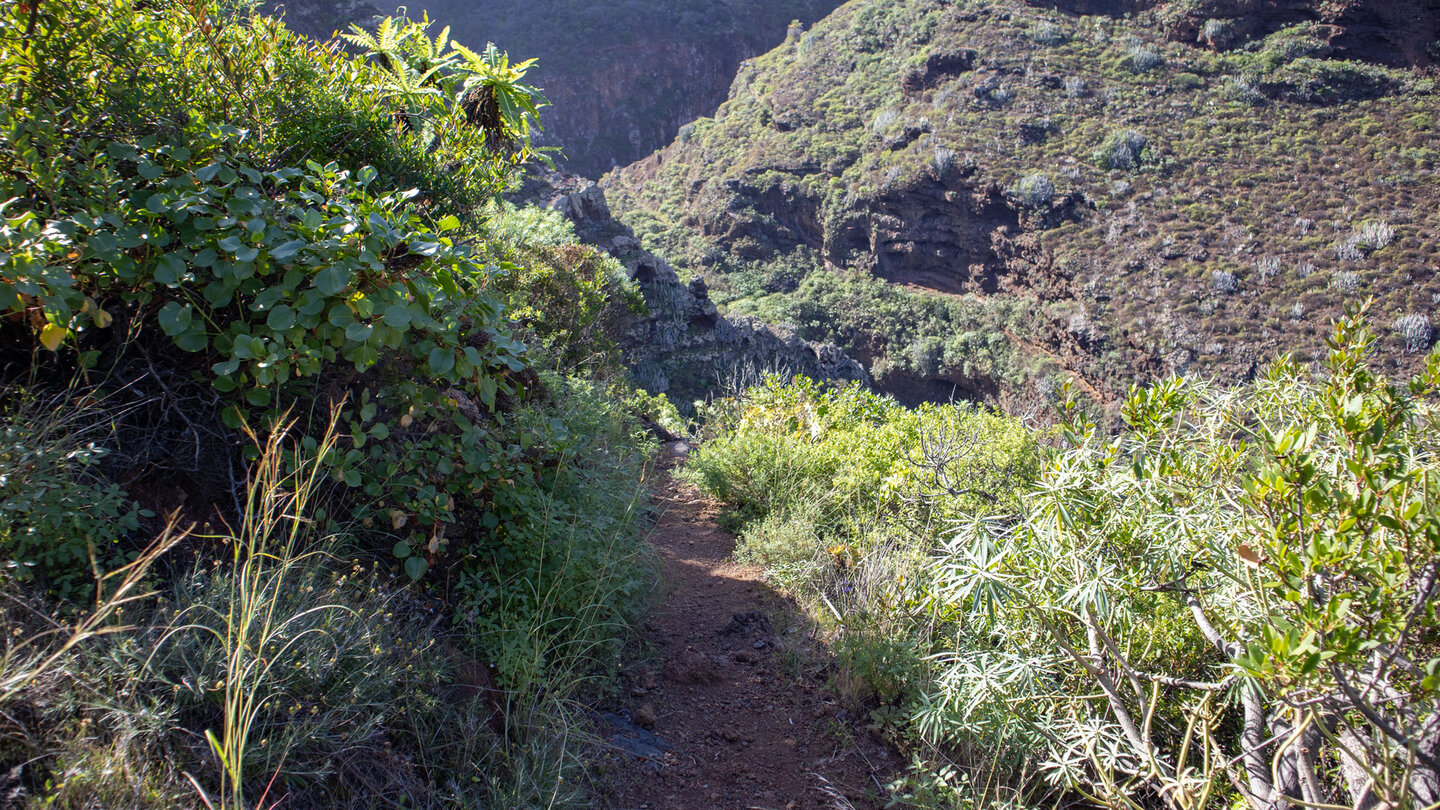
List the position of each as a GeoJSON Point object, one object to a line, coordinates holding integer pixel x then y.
{"type": "Point", "coordinates": [684, 347]}
{"type": "Point", "coordinates": [622, 78]}
{"type": "Point", "coordinates": [1051, 198]}
{"type": "Point", "coordinates": [319, 19]}
{"type": "Point", "coordinates": [1389, 32]}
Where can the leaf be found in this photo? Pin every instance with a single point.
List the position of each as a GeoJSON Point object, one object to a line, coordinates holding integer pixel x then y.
{"type": "Point", "coordinates": [441, 360]}
{"type": "Point", "coordinates": [401, 549]}
{"type": "Point", "coordinates": [358, 332]}
{"type": "Point", "coordinates": [102, 318]}
{"type": "Point", "coordinates": [1248, 554]}
{"type": "Point", "coordinates": [281, 317]}
{"type": "Point", "coordinates": [415, 567]}
{"type": "Point", "coordinates": [284, 251]}
{"type": "Point", "coordinates": [448, 223]}
{"type": "Point", "coordinates": [332, 280]}
{"type": "Point", "coordinates": [193, 340]}
{"type": "Point", "coordinates": [170, 269]}
{"type": "Point", "coordinates": [174, 318]}
{"type": "Point", "coordinates": [52, 335]}
{"type": "Point", "coordinates": [397, 316]}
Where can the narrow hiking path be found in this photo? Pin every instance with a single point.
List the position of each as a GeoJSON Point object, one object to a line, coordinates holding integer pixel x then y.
{"type": "Point", "coordinates": [732, 710]}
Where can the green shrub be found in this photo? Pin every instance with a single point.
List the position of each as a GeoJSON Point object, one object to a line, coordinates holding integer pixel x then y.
{"type": "Point", "coordinates": [171, 190]}
{"type": "Point", "coordinates": [1187, 81]}
{"type": "Point", "coordinates": [553, 586]}
{"type": "Point", "coordinates": [1035, 190]}
{"type": "Point", "coordinates": [574, 300]}
{"type": "Point", "coordinates": [61, 521]}
{"type": "Point", "coordinates": [1221, 573]}
{"type": "Point", "coordinates": [1122, 150]}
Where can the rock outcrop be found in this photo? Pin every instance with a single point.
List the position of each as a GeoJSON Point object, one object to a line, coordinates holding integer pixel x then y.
{"type": "Point", "coordinates": [684, 346]}
{"type": "Point", "coordinates": [320, 19]}
{"type": "Point", "coordinates": [1387, 32]}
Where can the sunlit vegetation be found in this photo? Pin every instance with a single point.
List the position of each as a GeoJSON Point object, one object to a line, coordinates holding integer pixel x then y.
{"type": "Point", "coordinates": [261, 304]}
{"type": "Point", "coordinates": [1230, 602]}
{"type": "Point", "coordinates": [1166, 163]}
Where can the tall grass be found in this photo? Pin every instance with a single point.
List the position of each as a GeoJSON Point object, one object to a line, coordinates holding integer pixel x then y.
{"type": "Point", "coordinates": [249, 625]}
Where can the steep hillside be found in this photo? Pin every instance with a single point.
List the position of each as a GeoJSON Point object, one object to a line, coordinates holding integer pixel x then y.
{"type": "Point", "coordinates": [622, 77]}
{"type": "Point", "coordinates": [981, 198]}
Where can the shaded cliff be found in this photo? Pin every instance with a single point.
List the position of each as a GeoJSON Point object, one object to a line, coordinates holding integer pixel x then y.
{"type": "Point", "coordinates": [683, 346]}
{"type": "Point", "coordinates": [1389, 32]}
{"type": "Point", "coordinates": [622, 77]}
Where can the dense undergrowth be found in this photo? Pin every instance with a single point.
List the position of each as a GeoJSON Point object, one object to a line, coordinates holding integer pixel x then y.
{"type": "Point", "coordinates": [1230, 602]}
{"type": "Point", "coordinates": [260, 303]}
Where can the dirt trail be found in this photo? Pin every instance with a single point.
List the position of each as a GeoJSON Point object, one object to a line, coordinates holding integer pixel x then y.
{"type": "Point", "coordinates": [732, 712]}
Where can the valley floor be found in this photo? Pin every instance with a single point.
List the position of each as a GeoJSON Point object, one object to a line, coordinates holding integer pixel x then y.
{"type": "Point", "coordinates": [732, 708]}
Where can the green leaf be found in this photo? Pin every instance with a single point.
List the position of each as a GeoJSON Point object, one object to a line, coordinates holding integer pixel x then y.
{"type": "Point", "coordinates": [285, 250]}
{"type": "Point", "coordinates": [441, 360]}
{"type": "Point", "coordinates": [174, 318]}
{"type": "Point", "coordinates": [332, 280]}
{"type": "Point", "coordinates": [401, 549]}
{"type": "Point", "coordinates": [448, 223]}
{"type": "Point", "coordinates": [397, 316]}
{"type": "Point", "coordinates": [358, 332]}
{"type": "Point", "coordinates": [415, 567]}
{"type": "Point", "coordinates": [194, 340]}
{"type": "Point", "coordinates": [281, 317]}
{"type": "Point", "coordinates": [169, 269]}
{"type": "Point", "coordinates": [340, 316]}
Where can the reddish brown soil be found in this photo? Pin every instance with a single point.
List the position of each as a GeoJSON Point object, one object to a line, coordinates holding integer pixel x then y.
{"type": "Point", "coordinates": [735, 685]}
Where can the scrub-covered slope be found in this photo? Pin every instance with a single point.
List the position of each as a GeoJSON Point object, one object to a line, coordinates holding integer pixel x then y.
{"type": "Point", "coordinates": [982, 197]}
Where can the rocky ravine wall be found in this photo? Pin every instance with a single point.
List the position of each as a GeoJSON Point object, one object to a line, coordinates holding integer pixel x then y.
{"type": "Point", "coordinates": [621, 77]}
{"type": "Point", "coordinates": [685, 347]}
{"type": "Point", "coordinates": [1388, 32]}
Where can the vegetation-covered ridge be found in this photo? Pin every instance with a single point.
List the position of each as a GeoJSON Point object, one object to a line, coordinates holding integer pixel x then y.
{"type": "Point", "coordinates": [1229, 603]}
{"type": "Point", "coordinates": [321, 483]}
{"type": "Point", "coordinates": [984, 197]}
